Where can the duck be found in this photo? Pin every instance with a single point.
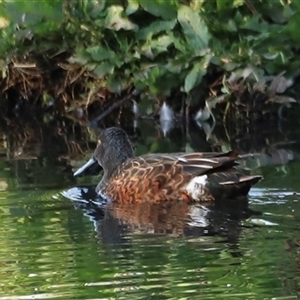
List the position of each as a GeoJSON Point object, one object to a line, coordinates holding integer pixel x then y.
{"type": "Point", "coordinates": [195, 177]}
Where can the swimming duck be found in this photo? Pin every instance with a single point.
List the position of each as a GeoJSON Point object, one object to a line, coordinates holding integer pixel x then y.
{"type": "Point", "coordinates": [190, 177]}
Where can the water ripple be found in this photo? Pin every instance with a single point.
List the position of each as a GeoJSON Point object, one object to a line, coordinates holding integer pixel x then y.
{"type": "Point", "coordinates": [49, 250]}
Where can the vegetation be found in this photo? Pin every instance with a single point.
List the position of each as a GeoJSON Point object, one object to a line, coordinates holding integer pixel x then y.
{"type": "Point", "coordinates": [64, 54]}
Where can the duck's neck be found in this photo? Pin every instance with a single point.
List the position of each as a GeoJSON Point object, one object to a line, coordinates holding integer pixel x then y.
{"type": "Point", "coordinates": [115, 158]}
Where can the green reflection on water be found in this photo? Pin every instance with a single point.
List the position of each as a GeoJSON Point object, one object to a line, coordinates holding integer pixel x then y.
{"type": "Point", "coordinates": [50, 249]}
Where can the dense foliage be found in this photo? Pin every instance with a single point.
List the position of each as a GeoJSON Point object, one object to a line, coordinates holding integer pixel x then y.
{"type": "Point", "coordinates": [224, 48]}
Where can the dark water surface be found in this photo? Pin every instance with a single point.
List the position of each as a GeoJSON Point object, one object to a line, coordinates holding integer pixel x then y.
{"type": "Point", "coordinates": [53, 245]}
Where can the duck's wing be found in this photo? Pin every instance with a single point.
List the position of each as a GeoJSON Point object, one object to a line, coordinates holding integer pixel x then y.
{"type": "Point", "coordinates": [173, 168]}
{"type": "Point", "coordinates": [221, 178]}
{"type": "Point", "coordinates": [197, 163]}
{"type": "Point", "coordinates": [221, 171]}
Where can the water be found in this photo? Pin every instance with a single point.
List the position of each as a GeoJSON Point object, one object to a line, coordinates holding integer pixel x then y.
{"type": "Point", "coordinates": [53, 245]}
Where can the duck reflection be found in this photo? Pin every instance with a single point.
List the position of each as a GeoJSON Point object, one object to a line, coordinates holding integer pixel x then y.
{"type": "Point", "coordinates": [114, 221]}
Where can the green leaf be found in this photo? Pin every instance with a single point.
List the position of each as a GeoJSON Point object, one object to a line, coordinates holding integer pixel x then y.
{"type": "Point", "coordinates": [160, 8]}
{"type": "Point", "coordinates": [125, 45]}
{"type": "Point", "coordinates": [197, 4]}
{"type": "Point", "coordinates": [28, 12]}
{"type": "Point", "coordinates": [80, 57]}
{"type": "Point", "coordinates": [179, 43]}
{"type": "Point", "coordinates": [44, 28]}
{"type": "Point", "coordinates": [132, 7]}
{"type": "Point", "coordinates": [160, 44]}
{"type": "Point", "coordinates": [156, 46]}
{"type": "Point", "coordinates": [230, 66]}
{"type": "Point", "coordinates": [140, 85]}
{"type": "Point", "coordinates": [116, 84]}
{"type": "Point", "coordinates": [104, 69]}
{"type": "Point", "coordinates": [174, 66]}
{"type": "Point", "coordinates": [151, 74]}
{"type": "Point", "coordinates": [154, 28]}
{"type": "Point", "coordinates": [196, 73]}
{"type": "Point", "coordinates": [278, 12]}
{"type": "Point", "coordinates": [95, 8]}
{"type": "Point", "coordinates": [195, 30]}
{"type": "Point", "coordinates": [91, 66]}
{"type": "Point", "coordinates": [158, 79]}
{"type": "Point", "coordinates": [116, 21]}
{"type": "Point", "coordinates": [223, 4]}
{"type": "Point", "coordinates": [292, 28]}
{"type": "Point", "coordinates": [154, 73]}
{"type": "Point", "coordinates": [228, 4]}
{"type": "Point", "coordinates": [237, 3]}
{"type": "Point", "coordinates": [99, 53]}
{"type": "Point", "coordinates": [254, 23]}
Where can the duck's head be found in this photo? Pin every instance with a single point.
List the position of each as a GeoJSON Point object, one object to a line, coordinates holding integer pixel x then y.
{"type": "Point", "coordinates": [113, 149]}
